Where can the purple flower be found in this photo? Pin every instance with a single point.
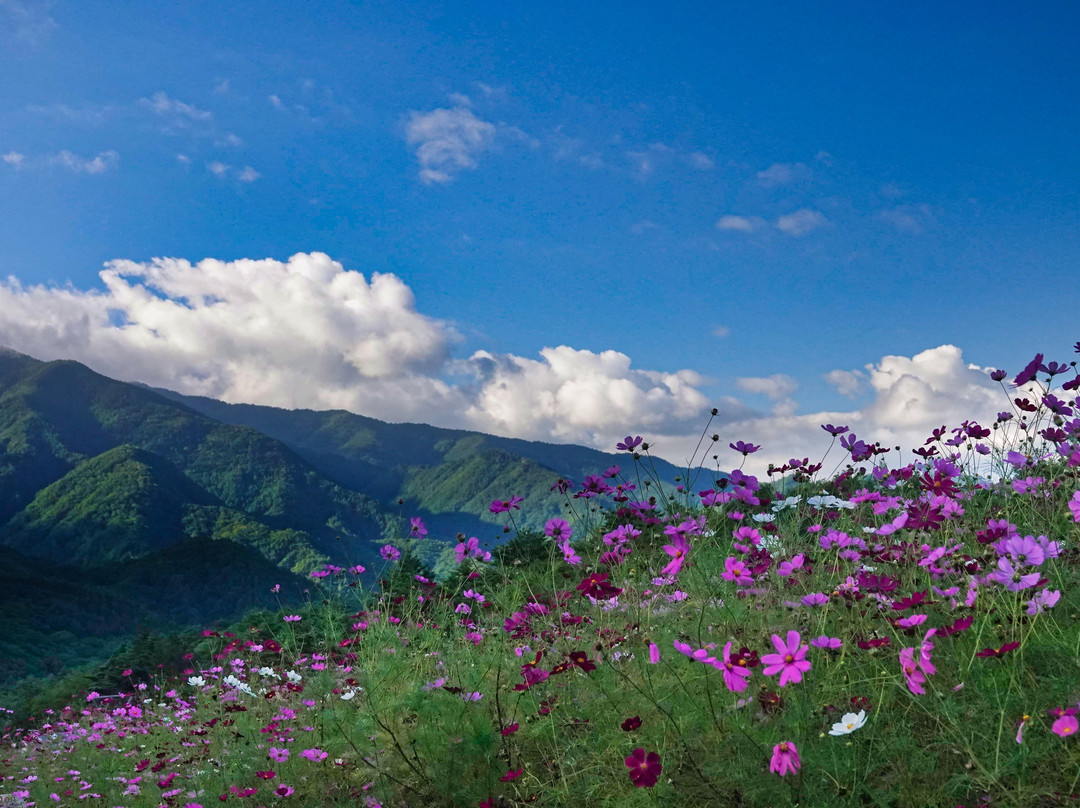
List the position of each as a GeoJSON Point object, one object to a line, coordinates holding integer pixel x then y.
{"type": "Point", "coordinates": [1046, 599]}
{"type": "Point", "coordinates": [834, 430]}
{"type": "Point", "coordinates": [1011, 578]}
{"type": "Point", "coordinates": [390, 553]}
{"type": "Point", "coordinates": [815, 599]}
{"type": "Point", "coordinates": [418, 530]}
{"type": "Point", "coordinates": [1024, 550]}
{"type": "Point", "coordinates": [558, 529]}
{"type": "Point", "coordinates": [504, 505]}
{"type": "Point", "coordinates": [744, 448]}
{"type": "Point", "coordinates": [628, 444]}
{"type": "Point", "coordinates": [1028, 373]}
{"type": "Point", "coordinates": [827, 642]}
{"type": "Point", "coordinates": [1074, 506]}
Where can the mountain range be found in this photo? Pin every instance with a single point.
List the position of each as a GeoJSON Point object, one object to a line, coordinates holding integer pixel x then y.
{"type": "Point", "coordinates": [124, 507]}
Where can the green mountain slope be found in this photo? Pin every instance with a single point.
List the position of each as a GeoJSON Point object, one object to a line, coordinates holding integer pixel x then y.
{"type": "Point", "coordinates": [449, 476]}
{"type": "Point", "coordinates": [56, 415]}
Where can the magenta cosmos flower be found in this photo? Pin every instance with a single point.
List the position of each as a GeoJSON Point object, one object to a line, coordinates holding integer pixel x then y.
{"type": "Point", "coordinates": [677, 550]}
{"type": "Point", "coordinates": [789, 660]}
{"type": "Point", "coordinates": [785, 759]}
{"type": "Point", "coordinates": [644, 769]}
{"type": "Point", "coordinates": [390, 553]}
{"type": "Point", "coordinates": [735, 676]}
{"type": "Point", "coordinates": [736, 571]}
{"type": "Point", "coordinates": [1065, 726]}
{"type": "Point", "coordinates": [1011, 577]}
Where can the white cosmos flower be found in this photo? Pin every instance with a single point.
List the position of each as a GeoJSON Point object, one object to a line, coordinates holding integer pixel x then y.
{"type": "Point", "coordinates": [849, 723]}
{"type": "Point", "coordinates": [196, 681]}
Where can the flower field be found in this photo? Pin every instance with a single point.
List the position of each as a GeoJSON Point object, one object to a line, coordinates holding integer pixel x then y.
{"type": "Point", "coordinates": [882, 626]}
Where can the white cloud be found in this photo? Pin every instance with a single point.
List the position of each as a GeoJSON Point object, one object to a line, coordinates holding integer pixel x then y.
{"type": "Point", "coordinates": [86, 165]}
{"type": "Point", "coordinates": [309, 333]}
{"type": "Point", "coordinates": [275, 102]}
{"type": "Point", "coordinates": [801, 222]}
{"type": "Point", "coordinates": [161, 104]}
{"type": "Point", "coordinates": [911, 396]}
{"type": "Point", "coordinates": [248, 174]}
{"type": "Point", "coordinates": [447, 141]}
{"type": "Point", "coordinates": [741, 224]}
{"type": "Point", "coordinates": [778, 388]}
{"type": "Point", "coordinates": [221, 86]}
{"type": "Point", "coordinates": [581, 396]}
{"type": "Point", "coordinates": [721, 331]}
{"type": "Point", "coordinates": [847, 382]}
{"type": "Point", "coordinates": [783, 174]}
{"type": "Point", "coordinates": [183, 158]}
{"type": "Point", "coordinates": [642, 227]}
{"type": "Point", "coordinates": [13, 158]}
{"type": "Point", "coordinates": [218, 168]}
{"type": "Point", "coordinates": [230, 139]}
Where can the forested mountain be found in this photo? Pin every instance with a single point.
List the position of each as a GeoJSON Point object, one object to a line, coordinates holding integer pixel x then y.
{"type": "Point", "coordinates": [122, 506]}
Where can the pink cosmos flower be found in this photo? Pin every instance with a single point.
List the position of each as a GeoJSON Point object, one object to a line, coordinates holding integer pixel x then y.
{"type": "Point", "coordinates": [735, 676]}
{"type": "Point", "coordinates": [558, 529]}
{"type": "Point", "coordinates": [1043, 600]}
{"type": "Point", "coordinates": [284, 790]}
{"type": "Point", "coordinates": [1065, 726]}
{"type": "Point", "coordinates": [677, 550]}
{"type": "Point", "coordinates": [314, 755]}
{"type": "Point", "coordinates": [785, 759]}
{"type": "Point", "coordinates": [292, 618]}
{"type": "Point", "coordinates": [279, 755]}
{"type": "Point", "coordinates": [700, 655]}
{"type": "Point", "coordinates": [786, 568]}
{"type": "Point", "coordinates": [815, 599]}
{"type": "Point", "coordinates": [1074, 506]}
{"type": "Point", "coordinates": [823, 641]}
{"type": "Point", "coordinates": [736, 571]}
{"type": "Point", "coordinates": [789, 660]}
{"type": "Point", "coordinates": [654, 653]}
{"type": "Point", "coordinates": [913, 674]}
{"type": "Point", "coordinates": [390, 553]}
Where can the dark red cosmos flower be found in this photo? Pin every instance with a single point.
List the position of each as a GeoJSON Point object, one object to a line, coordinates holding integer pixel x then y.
{"type": "Point", "coordinates": [596, 585]}
{"type": "Point", "coordinates": [771, 701]}
{"type": "Point", "coordinates": [630, 724]}
{"type": "Point", "coordinates": [581, 660]}
{"type": "Point", "coordinates": [644, 768]}
{"type": "Point", "coordinates": [997, 652]}
{"type": "Point", "coordinates": [746, 658]}
{"type": "Point", "coordinates": [916, 600]}
{"type": "Point", "coordinates": [963, 624]}
{"type": "Point", "coordinates": [876, 642]}
{"type": "Point", "coordinates": [267, 775]}
{"type": "Point", "coordinates": [512, 774]}
{"type": "Point", "coordinates": [510, 730]}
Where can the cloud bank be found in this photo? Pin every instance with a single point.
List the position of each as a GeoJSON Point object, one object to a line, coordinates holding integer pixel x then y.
{"type": "Point", "coordinates": [309, 333]}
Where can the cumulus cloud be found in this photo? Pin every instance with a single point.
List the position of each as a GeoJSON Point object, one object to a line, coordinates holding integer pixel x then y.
{"type": "Point", "coordinates": [911, 219]}
{"type": "Point", "coordinates": [580, 396]}
{"type": "Point", "coordinates": [801, 222]}
{"type": "Point", "coordinates": [309, 333]}
{"type": "Point", "coordinates": [778, 388]}
{"type": "Point", "coordinates": [783, 174]}
{"type": "Point", "coordinates": [248, 174]}
{"type": "Point", "coordinates": [26, 22]}
{"type": "Point", "coordinates": [911, 396]}
{"type": "Point", "coordinates": [700, 160]}
{"type": "Point", "coordinates": [13, 158]}
{"type": "Point", "coordinates": [86, 165]}
{"type": "Point", "coordinates": [847, 382]}
{"type": "Point", "coordinates": [447, 141]}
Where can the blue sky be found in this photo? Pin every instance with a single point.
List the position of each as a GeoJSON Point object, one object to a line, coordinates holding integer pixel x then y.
{"type": "Point", "coordinates": [770, 191]}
